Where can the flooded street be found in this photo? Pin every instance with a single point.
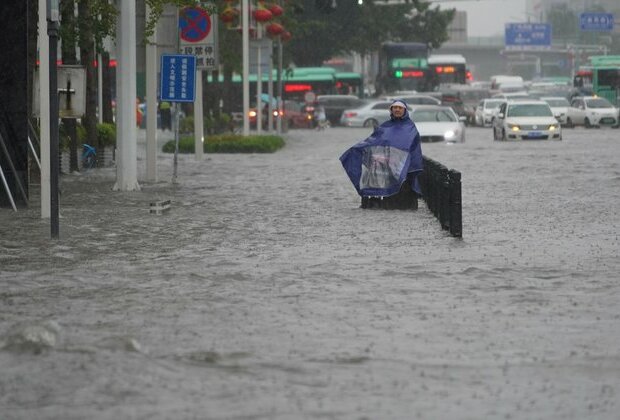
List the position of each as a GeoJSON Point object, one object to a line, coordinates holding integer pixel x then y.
{"type": "Point", "coordinates": [265, 292]}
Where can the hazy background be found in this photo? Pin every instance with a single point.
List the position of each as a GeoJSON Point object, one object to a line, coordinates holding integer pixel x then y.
{"type": "Point", "coordinates": [488, 17]}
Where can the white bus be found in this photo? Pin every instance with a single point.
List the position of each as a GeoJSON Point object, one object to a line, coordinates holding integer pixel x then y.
{"type": "Point", "coordinates": [447, 69]}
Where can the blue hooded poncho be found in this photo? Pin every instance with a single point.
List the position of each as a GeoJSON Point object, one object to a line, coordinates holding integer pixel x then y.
{"type": "Point", "coordinates": [379, 165]}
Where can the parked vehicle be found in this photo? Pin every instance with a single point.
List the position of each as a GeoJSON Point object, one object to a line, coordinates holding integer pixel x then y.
{"type": "Point", "coordinates": [438, 123]}
{"type": "Point", "coordinates": [526, 120]}
{"type": "Point", "coordinates": [486, 110]}
{"type": "Point", "coordinates": [334, 105]}
{"type": "Point", "coordinates": [371, 114]}
{"type": "Point", "coordinates": [591, 111]}
{"type": "Point", "coordinates": [559, 106]}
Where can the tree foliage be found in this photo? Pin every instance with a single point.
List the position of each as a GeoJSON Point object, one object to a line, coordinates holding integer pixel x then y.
{"type": "Point", "coordinates": [326, 28]}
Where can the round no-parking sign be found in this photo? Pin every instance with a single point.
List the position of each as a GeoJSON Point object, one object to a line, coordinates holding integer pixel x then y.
{"type": "Point", "coordinates": [194, 24]}
{"type": "Point", "coordinates": [198, 36]}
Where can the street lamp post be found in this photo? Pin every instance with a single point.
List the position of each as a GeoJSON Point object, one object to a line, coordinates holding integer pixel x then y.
{"type": "Point", "coordinates": [52, 32]}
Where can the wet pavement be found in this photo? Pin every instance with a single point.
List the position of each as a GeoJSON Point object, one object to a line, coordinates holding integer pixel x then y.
{"type": "Point", "coordinates": [265, 292]}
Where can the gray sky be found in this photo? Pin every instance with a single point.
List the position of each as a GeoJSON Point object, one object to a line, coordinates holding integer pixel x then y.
{"type": "Point", "coordinates": [488, 17]}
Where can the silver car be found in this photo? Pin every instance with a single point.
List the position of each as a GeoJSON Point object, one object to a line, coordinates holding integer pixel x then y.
{"type": "Point", "coordinates": [438, 123]}
{"type": "Point", "coordinates": [591, 111]}
{"type": "Point", "coordinates": [486, 110]}
{"type": "Point", "coordinates": [526, 120]}
{"type": "Point", "coordinates": [559, 107]}
{"type": "Point", "coordinates": [370, 114]}
{"type": "Point", "coordinates": [417, 99]}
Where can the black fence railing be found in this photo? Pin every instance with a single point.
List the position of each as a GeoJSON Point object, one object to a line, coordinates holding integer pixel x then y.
{"type": "Point", "coordinates": [441, 189]}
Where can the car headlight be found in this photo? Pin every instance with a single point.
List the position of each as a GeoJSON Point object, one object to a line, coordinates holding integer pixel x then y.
{"type": "Point", "coordinates": [514, 127]}
{"type": "Point", "coordinates": [553, 127]}
{"type": "Point", "coordinates": [450, 134]}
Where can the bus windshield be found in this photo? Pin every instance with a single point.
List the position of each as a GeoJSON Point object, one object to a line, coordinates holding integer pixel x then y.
{"type": "Point", "coordinates": [402, 67]}
{"type": "Point", "coordinates": [447, 68]}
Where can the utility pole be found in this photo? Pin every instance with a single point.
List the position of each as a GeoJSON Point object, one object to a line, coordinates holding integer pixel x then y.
{"type": "Point", "coordinates": [52, 32]}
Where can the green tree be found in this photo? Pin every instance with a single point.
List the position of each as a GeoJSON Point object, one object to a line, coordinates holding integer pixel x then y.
{"type": "Point", "coordinates": [325, 28]}
{"type": "Point", "coordinates": [564, 23]}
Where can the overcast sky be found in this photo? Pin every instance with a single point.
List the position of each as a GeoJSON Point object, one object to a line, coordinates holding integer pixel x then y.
{"type": "Point", "coordinates": [488, 17]}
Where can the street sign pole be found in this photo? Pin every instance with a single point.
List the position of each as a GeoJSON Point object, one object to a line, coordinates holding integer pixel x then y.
{"type": "Point", "coordinates": [178, 77]}
{"type": "Point", "coordinates": [197, 36]}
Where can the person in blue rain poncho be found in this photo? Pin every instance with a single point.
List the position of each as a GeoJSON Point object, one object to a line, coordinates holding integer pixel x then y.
{"type": "Point", "coordinates": [390, 160]}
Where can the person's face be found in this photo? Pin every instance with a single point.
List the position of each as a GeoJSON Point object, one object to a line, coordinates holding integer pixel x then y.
{"type": "Point", "coordinates": [398, 111]}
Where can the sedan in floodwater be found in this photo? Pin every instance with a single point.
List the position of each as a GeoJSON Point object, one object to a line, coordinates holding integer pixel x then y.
{"type": "Point", "coordinates": [486, 110]}
{"type": "Point", "coordinates": [438, 123]}
{"type": "Point", "coordinates": [559, 107]}
{"type": "Point", "coordinates": [526, 120]}
{"type": "Point", "coordinates": [370, 114]}
{"type": "Point", "coordinates": [591, 111]}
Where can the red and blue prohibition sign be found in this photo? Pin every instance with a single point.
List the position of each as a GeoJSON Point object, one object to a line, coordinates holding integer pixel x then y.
{"type": "Point", "coordinates": [194, 24]}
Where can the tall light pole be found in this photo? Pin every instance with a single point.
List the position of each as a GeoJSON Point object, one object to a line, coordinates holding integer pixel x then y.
{"type": "Point", "coordinates": [245, 34]}
{"type": "Point", "coordinates": [52, 32]}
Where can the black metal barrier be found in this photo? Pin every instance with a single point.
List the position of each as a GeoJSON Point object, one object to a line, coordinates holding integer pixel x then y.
{"type": "Point", "coordinates": [405, 199]}
{"type": "Point", "coordinates": [441, 189]}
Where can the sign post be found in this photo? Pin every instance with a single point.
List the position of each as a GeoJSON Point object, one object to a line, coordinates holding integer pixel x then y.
{"type": "Point", "coordinates": [197, 37]}
{"type": "Point", "coordinates": [178, 74]}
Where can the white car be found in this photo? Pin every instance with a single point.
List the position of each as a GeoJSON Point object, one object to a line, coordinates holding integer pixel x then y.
{"type": "Point", "coordinates": [370, 114]}
{"type": "Point", "coordinates": [438, 123]}
{"type": "Point", "coordinates": [416, 99]}
{"type": "Point", "coordinates": [507, 96]}
{"type": "Point", "coordinates": [526, 120]}
{"type": "Point", "coordinates": [559, 107]}
{"type": "Point", "coordinates": [591, 111]}
{"type": "Point", "coordinates": [486, 110]}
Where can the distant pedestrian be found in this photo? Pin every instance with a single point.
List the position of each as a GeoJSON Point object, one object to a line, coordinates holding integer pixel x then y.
{"type": "Point", "coordinates": [320, 118]}
{"type": "Point", "coordinates": [166, 115]}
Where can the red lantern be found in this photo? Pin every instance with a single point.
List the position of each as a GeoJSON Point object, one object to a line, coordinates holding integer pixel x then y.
{"type": "Point", "coordinates": [275, 29]}
{"type": "Point", "coordinates": [229, 14]}
{"type": "Point", "coordinates": [285, 36]}
{"type": "Point", "coordinates": [275, 9]}
{"type": "Point", "coordinates": [262, 15]}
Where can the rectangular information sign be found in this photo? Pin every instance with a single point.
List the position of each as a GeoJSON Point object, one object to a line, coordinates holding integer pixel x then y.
{"type": "Point", "coordinates": [528, 36]}
{"type": "Point", "coordinates": [178, 78]}
{"type": "Point", "coordinates": [601, 22]}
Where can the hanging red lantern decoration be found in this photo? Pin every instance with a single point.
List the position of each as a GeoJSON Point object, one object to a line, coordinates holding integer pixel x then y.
{"type": "Point", "coordinates": [229, 15]}
{"type": "Point", "coordinates": [274, 29]}
{"type": "Point", "coordinates": [262, 15]}
{"type": "Point", "coordinates": [285, 36]}
{"type": "Point", "coordinates": [275, 9]}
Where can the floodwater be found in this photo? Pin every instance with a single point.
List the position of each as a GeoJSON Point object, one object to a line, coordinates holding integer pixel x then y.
{"type": "Point", "coordinates": [265, 292]}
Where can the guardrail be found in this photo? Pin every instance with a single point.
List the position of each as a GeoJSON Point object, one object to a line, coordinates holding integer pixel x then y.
{"type": "Point", "coordinates": [441, 189]}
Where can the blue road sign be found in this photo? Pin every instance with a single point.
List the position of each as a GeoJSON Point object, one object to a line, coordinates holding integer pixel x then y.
{"type": "Point", "coordinates": [178, 78]}
{"type": "Point", "coordinates": [527, 36]}
{"type": "Point", "coordinates": [598, 22]}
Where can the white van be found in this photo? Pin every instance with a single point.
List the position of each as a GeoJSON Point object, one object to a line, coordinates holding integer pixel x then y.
{"type": "Point", "coordinates": [507, 83]}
